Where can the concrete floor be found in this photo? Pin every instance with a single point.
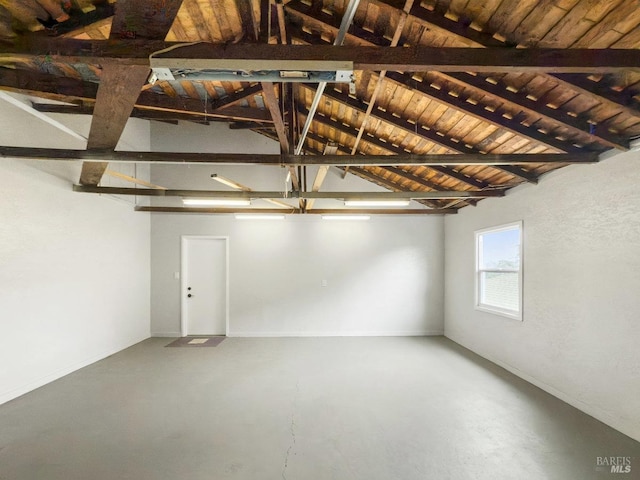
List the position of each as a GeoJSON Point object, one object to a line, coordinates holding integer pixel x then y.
{"type": "Point", "coordinates": [301, 409]}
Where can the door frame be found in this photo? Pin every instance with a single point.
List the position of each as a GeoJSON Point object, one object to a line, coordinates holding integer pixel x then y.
{"type": "Point", "coordinates": [184, 274]}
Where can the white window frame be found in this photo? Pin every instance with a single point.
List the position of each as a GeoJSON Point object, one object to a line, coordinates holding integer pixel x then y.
{"type": "Point", "coordinates": [516, 315]}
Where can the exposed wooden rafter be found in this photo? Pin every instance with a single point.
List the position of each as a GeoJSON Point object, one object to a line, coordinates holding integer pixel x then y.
{"type": "Point", "coordinates": [520, 100]}
{"type": "Point", "coordinates": [180, 158]}
{"type": "Point", "coordinates": [243, 114]}
{"type": "Point", "coordinates": [425, 133]}
{"type": "Point", "coordinates": [247, 195]}
{"type": "Point", "coordinates": [298, 211]}
{"type": "Point", "coordinates": [273, 105]}
{"type": "Point", "coordinates": [462, 30]}
{"type": "Point", "coordinates": [407, 59]}
{"type": "Point", "coordinates": [120, 86]}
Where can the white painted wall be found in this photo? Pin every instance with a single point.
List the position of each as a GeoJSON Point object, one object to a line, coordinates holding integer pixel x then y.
{"type": "Point", "coordinates": [384, 277]}
{"type": "Point", "coordinates": [580, 334]}
{"type": "Point", "coordinates": [74, 268]}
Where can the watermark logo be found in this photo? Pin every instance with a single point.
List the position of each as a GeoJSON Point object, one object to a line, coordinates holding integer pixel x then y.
{"type": "Point", "coordinates": [613, 464]}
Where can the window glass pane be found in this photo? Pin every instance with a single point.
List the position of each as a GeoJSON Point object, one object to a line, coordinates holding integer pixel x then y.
{"type": "Point", "coordinates": [500, 250]}
{"type": "Point", "coordinates": [500, 289]}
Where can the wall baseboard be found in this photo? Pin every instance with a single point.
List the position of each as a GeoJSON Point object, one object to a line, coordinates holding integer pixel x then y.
{"type": "Point", "coordinates": [427, 333]}
{"type": "Point", "coordinates": [590, 410]}
{"type": "Point", "coordinates": [59, 373]}
{"type": "Point", "coordinates": [166, 334]}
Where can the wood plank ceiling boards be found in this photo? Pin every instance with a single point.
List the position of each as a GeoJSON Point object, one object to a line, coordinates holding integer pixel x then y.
{"type": "Point", "coordinates": [447, 98]}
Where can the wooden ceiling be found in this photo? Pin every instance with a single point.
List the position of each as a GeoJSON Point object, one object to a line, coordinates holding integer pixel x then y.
{"type": "Point", "coordinates": [488, 95]}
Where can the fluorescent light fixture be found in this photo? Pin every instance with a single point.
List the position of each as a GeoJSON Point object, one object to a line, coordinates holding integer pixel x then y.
{"type": "Point", "coordinates": [228, 182]}
{"type": "Point", "coordinates": [216, 202]}
{"type": "Point", "coordinates": [257, 216]}
{"type": "Point", "coordinates": [346, 217]}
{"type": "Point", "coordinates": [376, 203]}
{"type": "Point", "coordinates": [237, 74]}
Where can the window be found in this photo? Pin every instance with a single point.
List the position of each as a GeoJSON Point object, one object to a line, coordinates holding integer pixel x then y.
{"type": "Point", "coordinates": [499, 270]}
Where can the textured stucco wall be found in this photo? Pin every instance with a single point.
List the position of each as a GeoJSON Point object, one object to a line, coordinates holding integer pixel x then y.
{"type": "Point", "coordinates": [579, 338]}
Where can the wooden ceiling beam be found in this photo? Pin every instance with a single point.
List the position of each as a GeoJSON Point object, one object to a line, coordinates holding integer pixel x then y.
{"type": "Point", "coordinates": [520, 100]}
{"type": "Point", "coordinates": [119, 88]}
{"type": "Point", "coordinates": [485, 39]}
{"type": "Point", "coordinates": [407, 59]}
{"type": "Point", "coordinates": [363, 173]}
{"type": "Point", "coordinates": [427, 134]}
{"type": "Point", "coordinates": [387, 146]}
{"type": "Point", "coordinates": [249, 24]}
{"type": "Point", "coordinates": [137, 19]}
{"type": "Point", "coordinates": [298, 211]}
{"type": "Point", "coordinates": [376, 178]}
{"type": "Point", "coordinates": [271, 101]}
{"type": "Point", "coordinates": [236, 97]}
{"type": "Point", "coordinates": [538, 108]}
{"type": "Point", "coordinates": [255, 117]}
{"type": "Point", "coordinates": [479, 112]}
{"type": "Point", "coordinates": [70, 89]}
{"type": "Point", "coordinates": [383, 182]}
{"type": "Point", "coordinates": [275, 195]}
{"type": "Point", "coordinates": [401, 158]}
{"type": "Point", "coordinates": [582, 84]}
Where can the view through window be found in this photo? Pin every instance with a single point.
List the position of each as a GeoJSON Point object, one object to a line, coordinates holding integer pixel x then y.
{"type": "Point", "coordinates": [499, 270]}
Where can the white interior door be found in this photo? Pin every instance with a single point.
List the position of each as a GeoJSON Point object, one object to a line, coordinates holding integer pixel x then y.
{"type": "Point", "coordinates": [204, 285]}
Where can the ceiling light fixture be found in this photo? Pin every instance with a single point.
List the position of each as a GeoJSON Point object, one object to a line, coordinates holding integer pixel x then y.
{"type": "Point", "coordinates": [216, 202]}
{"type": "Point", "coordinates": [346, 217]}
{"type": "Point", "coordinates": [376, 203]}
{"type": "Point", "coordinates": [228, 182]}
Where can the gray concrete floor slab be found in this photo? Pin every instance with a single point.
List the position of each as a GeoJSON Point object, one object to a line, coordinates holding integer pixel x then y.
{"type": "Point", "coordinates": [301, 409]}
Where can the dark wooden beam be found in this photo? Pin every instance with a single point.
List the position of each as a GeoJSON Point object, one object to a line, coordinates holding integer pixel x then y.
{"type": "Point", "coordinates": [387, 146]}
{"type": "Point", "coordinates": [135, 19]}
{"type": "Point", "coordinates": [408, 159]}
{"type": "Point", "coordinates": [249, 24]}
{"type": "Point", "coordinates": [536, 108]}
{"type": "Point", "coordinates": [584, 85]}
{"type": "Point", "coordinates": [427, 134]}
{"type": "Point", "coordinates": [366, 175]}
{"type": "Point", "coordinates": [70, 89]}
{"type": "Point", "coordinates": [297, 211]}
{"type": "Point", "coordinates": [479, 112]}
{"type": "Point", "coordinates": [265, 21]}
{"type": "Point", "coordinates": [407, 59]}
{"type": "Point", "coordinates": [271, 101]}
{"type": "Point", "coordinates": [244, 114]}
{"type": "Point", "coordinates": [234, 194]}
{"type": "Point", "coordinates": [46, 85]}
{"type": "Point", "coordinates": [464, 31]}
{"type": "Point", "coordinates": [253, 118]}
{"type": "Point", "coordinates": [119, 88]}
{"type": "Point", "coordinates": [235, 97]}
